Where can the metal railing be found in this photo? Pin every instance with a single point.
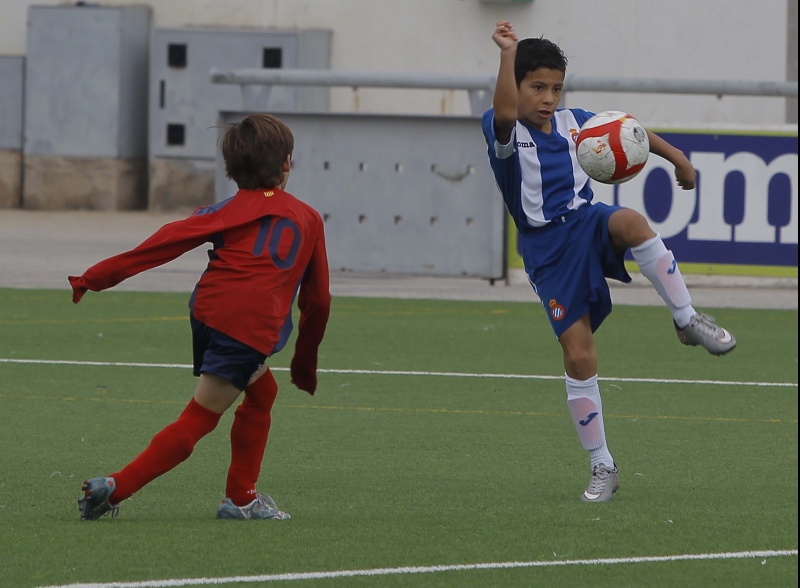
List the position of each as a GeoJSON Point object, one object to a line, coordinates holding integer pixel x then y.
{"type": "Point", "coordinates": [480, 87]}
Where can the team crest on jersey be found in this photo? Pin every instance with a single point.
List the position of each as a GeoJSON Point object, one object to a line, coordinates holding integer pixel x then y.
{"type": "Point", "coordinates": [574, 133]}
{"type": "Point", "coordinates": [269, 194]}
{"type": "Point", "coordinates": [557, 312]}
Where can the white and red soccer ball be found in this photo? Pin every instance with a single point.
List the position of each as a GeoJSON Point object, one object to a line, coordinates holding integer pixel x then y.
{"type": "Point", "coordinates": [612, 147]}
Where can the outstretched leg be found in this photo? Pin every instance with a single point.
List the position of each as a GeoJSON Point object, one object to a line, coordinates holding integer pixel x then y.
{"type": "Point", "coordinates": [630, 229]}
{"type": "Point", "coordinates": [168, 448]}
{"type": "Point", "coordinates": [175, 443]}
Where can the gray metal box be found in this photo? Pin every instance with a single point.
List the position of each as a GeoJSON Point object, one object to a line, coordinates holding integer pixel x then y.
{"type": "Point", "coordinates": [11, 91]}
{"type": "Point", "coordinates": [86, 81]}
{"type": "Point", "coordinates": [184, 103]}
{"type": "Point", "coordinates": [399, 194]}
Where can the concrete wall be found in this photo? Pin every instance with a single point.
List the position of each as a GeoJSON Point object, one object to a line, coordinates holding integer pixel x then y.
{"type": "Point", "coordinates": [678, 39]}
{"type": "Point", "coordinates": [754, 40]}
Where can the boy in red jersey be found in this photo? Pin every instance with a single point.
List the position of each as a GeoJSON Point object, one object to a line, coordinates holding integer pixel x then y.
{"type": "Point", "coordinates": [268, 247]}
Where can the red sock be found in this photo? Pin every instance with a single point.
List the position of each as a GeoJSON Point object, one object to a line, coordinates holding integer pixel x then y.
{"type": "Point", "coordinates": [172, 445]}
{"type": "Point", "coordinates": [249, 439]}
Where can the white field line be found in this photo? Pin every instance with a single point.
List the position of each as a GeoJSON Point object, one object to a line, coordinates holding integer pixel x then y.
{"type": "Point", "coordinates": [428, 570]}
{"type": "Point", "coordinates": [412, 373]}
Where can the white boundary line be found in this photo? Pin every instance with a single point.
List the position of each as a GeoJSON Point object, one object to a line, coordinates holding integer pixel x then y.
{"type": "Point", "coordinates": [292, 577]}
{"type": "Point", "coordinates": [416, 569]}
{"type": "Point", "coordinates": [413, 373]}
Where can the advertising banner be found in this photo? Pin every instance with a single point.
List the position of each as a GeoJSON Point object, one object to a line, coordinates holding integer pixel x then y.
{"type": "Point", "coordinates": [742, 216]}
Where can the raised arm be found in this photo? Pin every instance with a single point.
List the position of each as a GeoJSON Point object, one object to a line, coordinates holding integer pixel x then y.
{"type": "Point", "coordinates": [685, 173]}
{"type": "Point", "coordinates": [169, 242]}
{"type": "Point", "coordinates": [504, 101]}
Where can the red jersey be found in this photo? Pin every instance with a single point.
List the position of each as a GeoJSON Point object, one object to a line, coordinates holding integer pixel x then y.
{"type": "Point", "coordinates": [267, 245]}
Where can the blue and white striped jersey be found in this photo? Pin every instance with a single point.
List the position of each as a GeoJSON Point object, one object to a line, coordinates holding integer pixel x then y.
{"type": "Point", "coordinates": [538, 174]}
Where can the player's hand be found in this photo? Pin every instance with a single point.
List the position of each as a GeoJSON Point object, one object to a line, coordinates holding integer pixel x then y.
{"type": "Point", "coordinates": [305, 379]}
{"type": "Point", "coordinates": [77, 289]}
{"type": "Point", "coordinates": [504, 35]}
{"type": "Point", "coordinates": [685, 175]}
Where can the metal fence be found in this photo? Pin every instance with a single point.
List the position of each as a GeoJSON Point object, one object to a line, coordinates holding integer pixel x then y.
{"type": "Point", "coordinates": [480, 87]}
{"type": "Point", "coordinates": [413, 194]}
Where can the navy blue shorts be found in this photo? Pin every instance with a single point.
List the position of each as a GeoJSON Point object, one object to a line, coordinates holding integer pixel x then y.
{"type": "Point", "coordinates": [216, 353]}
{"type": "Point", "coordinates": [568, 261]}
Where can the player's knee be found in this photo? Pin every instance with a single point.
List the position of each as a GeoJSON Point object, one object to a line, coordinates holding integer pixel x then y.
{"type": "Point", "coordinates": [580, 363]}
{"type": "Point", "coordinates": [630, 228]}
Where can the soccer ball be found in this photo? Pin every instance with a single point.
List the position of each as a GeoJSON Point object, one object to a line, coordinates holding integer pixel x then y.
{"type": "Point", "coordinates": [612, 147]}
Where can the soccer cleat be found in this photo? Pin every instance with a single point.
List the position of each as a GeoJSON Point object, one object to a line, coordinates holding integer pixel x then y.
{"type": "Point", "coordinates": [96, 501]}
{"type": "Point", "coordinates": [602, 485]}
{"type": "Point", "coordinates": [703, 330]}
{"type": "Point", "coordinates": [263, 507]}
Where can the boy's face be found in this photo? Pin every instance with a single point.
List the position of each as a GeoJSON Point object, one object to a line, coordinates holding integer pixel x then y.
{"type": "Point", "coordinates": [539, 95]}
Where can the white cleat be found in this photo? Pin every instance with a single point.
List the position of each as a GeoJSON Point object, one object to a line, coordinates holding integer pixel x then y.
{"type": "Point", "coordinates": [602, 485]}
{"type": "Point", "coordinates": [704, 331]}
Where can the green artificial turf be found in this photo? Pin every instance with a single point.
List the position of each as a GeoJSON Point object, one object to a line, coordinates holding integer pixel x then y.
{"type": "Point", "coordinates": [439, 436]}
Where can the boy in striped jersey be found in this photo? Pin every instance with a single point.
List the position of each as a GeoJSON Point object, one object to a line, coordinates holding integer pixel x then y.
{"type": "Point", "coordinates": [569, 244]}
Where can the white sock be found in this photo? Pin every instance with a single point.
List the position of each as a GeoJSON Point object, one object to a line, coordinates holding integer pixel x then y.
{"type": "Point", "coordinates": [658, 265]}
{"type": "Point", "coordinates": [583, 400]}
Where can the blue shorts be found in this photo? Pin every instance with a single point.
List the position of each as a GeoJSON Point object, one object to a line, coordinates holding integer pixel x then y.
{"type": "Point", "coordinates": [568, 261]}
{"type": "Point", "coordinates": [217, 354]}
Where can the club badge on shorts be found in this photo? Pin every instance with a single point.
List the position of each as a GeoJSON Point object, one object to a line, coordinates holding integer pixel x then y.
{"type": "Point", "coordinates": [557, 311]}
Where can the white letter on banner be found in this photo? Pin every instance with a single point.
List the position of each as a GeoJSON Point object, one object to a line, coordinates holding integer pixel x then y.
{"type": "Point", "coordinates": [631, 195]}
{"type": "Point", "coordinates": [786, 164]}
{"type": "Point", "coordinates": [710, 225]}
{"type": "Point", "coordinates": [755, 227]}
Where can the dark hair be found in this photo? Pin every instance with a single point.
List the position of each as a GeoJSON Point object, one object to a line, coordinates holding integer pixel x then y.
{"type": "Point", "coordinates": [255, 149]}
{"type": "Point", "coordinates": [535, 53]}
